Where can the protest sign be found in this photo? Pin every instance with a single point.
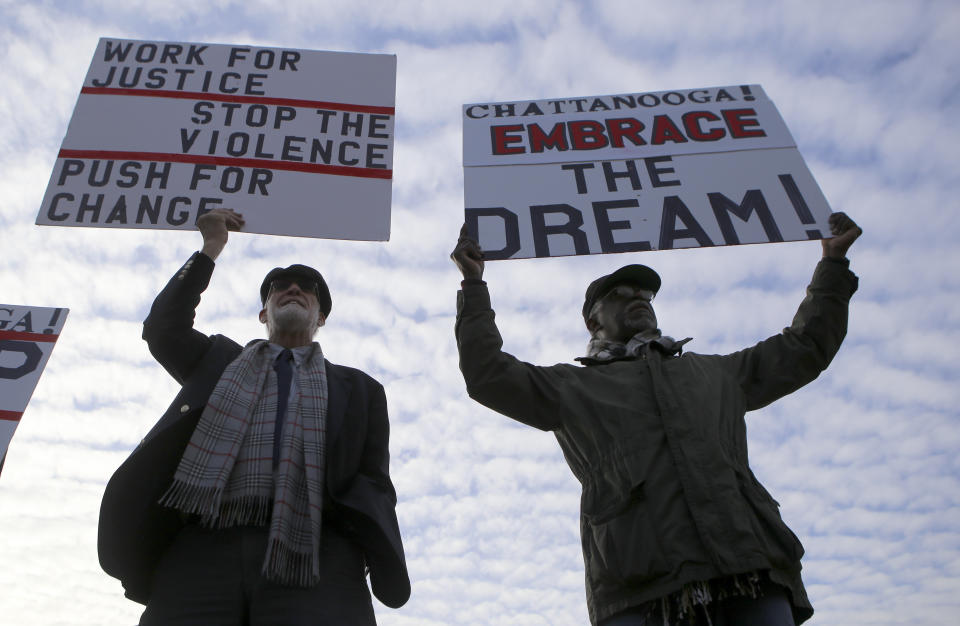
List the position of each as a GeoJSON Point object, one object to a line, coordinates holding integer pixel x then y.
{"type": "Point", "coordinates": [27, 336]}
{"type": "Point", "coordinates": [299, 141]}
{"type": "Point", "coordinates": [652, 171]}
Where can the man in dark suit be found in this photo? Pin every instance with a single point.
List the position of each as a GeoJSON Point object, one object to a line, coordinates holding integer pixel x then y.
{"type": "Point", "coordinates": [263, 494]}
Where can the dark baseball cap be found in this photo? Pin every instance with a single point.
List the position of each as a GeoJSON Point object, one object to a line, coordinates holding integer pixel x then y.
{"type": "Point", "coordinates": [637, 274]}
{"type": "Point", "coordinates": [301, 272]}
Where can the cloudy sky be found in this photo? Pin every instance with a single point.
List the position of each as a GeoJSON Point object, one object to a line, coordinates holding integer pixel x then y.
{"type": "Point", "coordinates": [864, 461]}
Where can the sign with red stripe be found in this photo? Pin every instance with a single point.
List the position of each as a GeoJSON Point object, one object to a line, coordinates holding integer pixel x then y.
{"type": "Point", "coordinates": [27, 336]}
{"type": "Point", "coordinates": [299, 141]}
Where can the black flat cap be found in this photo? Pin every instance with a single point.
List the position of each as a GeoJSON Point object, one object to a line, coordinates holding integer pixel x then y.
{"type": "Point", "coordinates": [637, 274]}
{"type": "Point", "coordinates": [301, 272]}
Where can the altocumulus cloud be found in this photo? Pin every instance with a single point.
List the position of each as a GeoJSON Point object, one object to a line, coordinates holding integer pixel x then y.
{"type": "Point", "coordinates": [863, 460]}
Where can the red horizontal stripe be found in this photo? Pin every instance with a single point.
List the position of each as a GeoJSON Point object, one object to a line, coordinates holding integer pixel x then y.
{"type": "Point", "coordinates": [226, 97]}
{"type": "Point", "coordinates": [208, 451]}
{"type": "Point", "coordinates": [293, 166]}
{"type": "Point", "coordinates": [252, 460]}
{"type": "Point", "coordinates": [13, 416]}
{"type": "Point", "coordinates": [15, 334]}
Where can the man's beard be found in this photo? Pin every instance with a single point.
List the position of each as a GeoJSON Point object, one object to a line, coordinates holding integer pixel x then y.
{"type": "Point", "coordinates": [640, 320]}
{"type": "Point", "coordinates": [292, 318]}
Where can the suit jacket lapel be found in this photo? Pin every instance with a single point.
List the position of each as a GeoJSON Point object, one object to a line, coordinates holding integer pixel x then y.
{"type": "Point", "coordinates": [338, 392]}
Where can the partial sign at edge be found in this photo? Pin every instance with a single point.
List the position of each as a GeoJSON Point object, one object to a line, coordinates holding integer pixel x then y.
{"type": "Point", "coordinates": [27, 337]}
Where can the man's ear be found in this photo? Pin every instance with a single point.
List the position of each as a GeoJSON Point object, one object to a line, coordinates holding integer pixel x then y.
{"type": "Point", "coordinates": [321, 319]}
{"type": "Point", "coordinates": [263, 315]}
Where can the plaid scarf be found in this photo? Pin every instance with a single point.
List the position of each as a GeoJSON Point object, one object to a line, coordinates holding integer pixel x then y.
{"type": "Point", "coordinates": [226, 473]}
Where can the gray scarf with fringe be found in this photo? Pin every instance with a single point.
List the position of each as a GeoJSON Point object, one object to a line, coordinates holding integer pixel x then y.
{"type": "Point", "coordinates": [223, 474]}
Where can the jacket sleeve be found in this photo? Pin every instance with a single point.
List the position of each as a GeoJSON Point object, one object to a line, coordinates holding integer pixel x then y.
{"type": "Point", "coordinates": [168, 329]}
{"type": "Point", "coordinates": [496, 379]}
{"type": "Point", "coordinates": [366, 507]}
{"type": "Point", "coordinates": [783, 363]}
{"type": "Point", "coordinates": [375, 460]}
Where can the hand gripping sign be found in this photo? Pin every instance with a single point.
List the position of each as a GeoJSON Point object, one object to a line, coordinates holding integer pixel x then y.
{"type": "Point", "coordinates": [649, 171]}
{"type": "Point", "coordinates": [27, 336]}
{"type": "Point", "coordinates": [299, 141]}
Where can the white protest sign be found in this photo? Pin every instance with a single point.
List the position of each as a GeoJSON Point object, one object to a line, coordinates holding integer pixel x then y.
{"type": "Point", "coordinates": [693, 168]}
{"type": "Point", "coordinates": [299, 141]}
{"type": "Point", "coordinates": [27, 336]}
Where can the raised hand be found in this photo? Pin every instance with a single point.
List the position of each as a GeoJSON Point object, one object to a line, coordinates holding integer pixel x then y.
{"type": "Point", "coordinates": [214, 226]}
{"type": "Point", "coordinates": [468, 256]}
{"type": "Point", "coordinates": [845, 231]}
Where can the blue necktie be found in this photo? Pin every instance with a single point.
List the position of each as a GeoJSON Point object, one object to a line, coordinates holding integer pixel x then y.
{"type": "Point", "coordinates": [284, 375]}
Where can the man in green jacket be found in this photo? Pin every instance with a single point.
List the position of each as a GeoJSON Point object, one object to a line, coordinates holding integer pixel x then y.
{"type": "Point", "coordinates": [675, 528]}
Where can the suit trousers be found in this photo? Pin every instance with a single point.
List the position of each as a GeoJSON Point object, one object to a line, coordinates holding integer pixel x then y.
{"type": "Point", "coordinates": [211, 577]}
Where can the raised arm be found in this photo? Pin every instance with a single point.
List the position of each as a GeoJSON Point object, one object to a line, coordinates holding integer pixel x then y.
{"type": "Point", "coordinates": [168, 329]}
{"type": "Point", "coordinates": [494, 378]}
{"type": "Point", "coordinates": [785, 362]}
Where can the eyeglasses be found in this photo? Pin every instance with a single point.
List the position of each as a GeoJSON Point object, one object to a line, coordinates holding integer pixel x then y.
{"type": "Point", "coordinates": [282, 284]}
{"type": "Point", "coordinates": [629, 292]}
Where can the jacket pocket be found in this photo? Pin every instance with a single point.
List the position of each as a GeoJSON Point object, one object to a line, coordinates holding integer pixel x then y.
{"type": "Point", "coordinates": [620, 546]}
{"type": "Point", "coordinates": [781, 544]}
